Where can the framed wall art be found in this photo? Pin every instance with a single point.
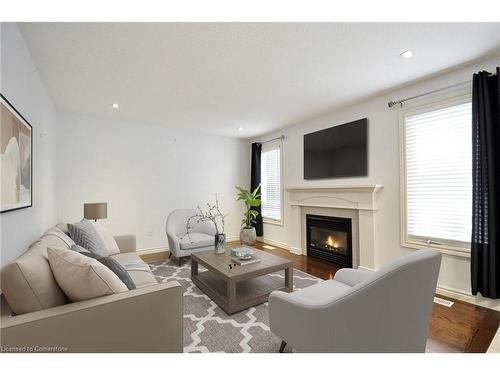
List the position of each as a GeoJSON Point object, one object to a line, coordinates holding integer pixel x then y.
{"type": "Point", "coordinates": [16, 159]}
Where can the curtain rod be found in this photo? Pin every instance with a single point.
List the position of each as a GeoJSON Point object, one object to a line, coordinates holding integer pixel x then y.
{"type": "Point", "coordinates": [274, 139]}
{"type": "Point", "coordinates": [392, 103]}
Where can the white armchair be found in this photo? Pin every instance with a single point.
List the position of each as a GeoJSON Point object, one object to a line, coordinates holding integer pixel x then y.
{"type": "Point", "coordinates": [200, 238]}
{"type": "Point", "coordinates": [359, 311]}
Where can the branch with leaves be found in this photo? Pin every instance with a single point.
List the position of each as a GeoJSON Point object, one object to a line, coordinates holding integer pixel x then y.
{"type": "Point", "coordinates": [211, 213]}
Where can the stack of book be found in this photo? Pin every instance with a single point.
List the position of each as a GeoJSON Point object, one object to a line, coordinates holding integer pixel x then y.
{"type": "Point", "coordinates": [243, 255]}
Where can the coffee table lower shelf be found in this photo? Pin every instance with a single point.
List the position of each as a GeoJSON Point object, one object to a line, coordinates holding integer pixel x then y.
{"type": "Point", "coordinates": [233, 296]}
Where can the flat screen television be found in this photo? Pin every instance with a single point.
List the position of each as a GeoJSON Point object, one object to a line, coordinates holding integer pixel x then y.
{"type": "Point", "coordinates": [339, 151]}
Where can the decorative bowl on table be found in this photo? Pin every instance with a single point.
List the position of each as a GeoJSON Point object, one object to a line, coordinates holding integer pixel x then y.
{"type": "Point", "coordinates": [242, 253]}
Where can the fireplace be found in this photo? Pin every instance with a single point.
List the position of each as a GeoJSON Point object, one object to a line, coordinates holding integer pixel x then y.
{"type": "Point", "coordinates": [329, 238]}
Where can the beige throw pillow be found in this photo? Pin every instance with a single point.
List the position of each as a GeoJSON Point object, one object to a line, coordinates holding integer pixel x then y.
{"type": "Point", "coordinates": [107, 238]}
{"type": "Point", "coordinates": [81, 277]}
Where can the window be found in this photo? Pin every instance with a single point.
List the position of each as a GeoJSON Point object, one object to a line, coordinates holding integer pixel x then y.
{"type": "Point", "coordinates": [271, 182]}
{"type": "Point", "coordinates": [437, 175]}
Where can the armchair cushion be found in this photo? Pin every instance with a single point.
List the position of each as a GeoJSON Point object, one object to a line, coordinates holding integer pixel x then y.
{"type": "Point", "coordinates": [319, 294]}
{"type": "Point", "coordinates": [195, 241]}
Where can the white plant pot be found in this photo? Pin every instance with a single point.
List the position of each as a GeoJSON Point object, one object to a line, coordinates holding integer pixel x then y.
{"type": "Point", "coordinates": [248, 236]}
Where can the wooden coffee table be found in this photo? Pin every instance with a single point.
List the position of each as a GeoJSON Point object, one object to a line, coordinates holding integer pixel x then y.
{"type": "Point", "coordinates": [238, 287]}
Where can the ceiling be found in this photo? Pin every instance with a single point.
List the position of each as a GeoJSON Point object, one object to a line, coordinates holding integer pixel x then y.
{"type": "Point", "coordinates": [218, 77]}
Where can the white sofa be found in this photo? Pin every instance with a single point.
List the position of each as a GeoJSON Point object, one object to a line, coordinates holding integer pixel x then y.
{"type": "Point", "coordinates": [35, 312]}
{"type": "Point", "coordinates": [360, 311]}
{"type": "Point", "coordinates": [201, 237]}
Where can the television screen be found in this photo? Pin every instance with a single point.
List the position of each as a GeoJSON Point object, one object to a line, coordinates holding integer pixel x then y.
{"type": "Point", "coordinates": [339, 151]}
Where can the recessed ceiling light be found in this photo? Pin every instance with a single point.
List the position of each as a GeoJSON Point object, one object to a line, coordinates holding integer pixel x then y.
{"type": "Point", "coordinates": [115, 105]}
{"type": "Point", "coordinates": [240, 128]}
{"type": "Point", "coordinates": [407, 54]}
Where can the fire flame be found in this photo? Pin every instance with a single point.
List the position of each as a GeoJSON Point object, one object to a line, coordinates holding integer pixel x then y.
{"type": "Point", "coordinates": [330, 241]}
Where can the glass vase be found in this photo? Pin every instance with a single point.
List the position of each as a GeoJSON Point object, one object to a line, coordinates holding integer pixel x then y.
{"type": "Point", "coordinates": [220, 243]}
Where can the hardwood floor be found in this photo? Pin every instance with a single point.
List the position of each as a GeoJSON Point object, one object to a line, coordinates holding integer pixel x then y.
{"type": "Point", "coordinates": [155, 257]}
{"type": "Point", "coordinates": [460, 328]}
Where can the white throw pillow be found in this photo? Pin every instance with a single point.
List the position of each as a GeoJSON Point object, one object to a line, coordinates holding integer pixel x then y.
{"type": "Point", "coordinates": [81, 277]}
{"type": "Point", "coordinates": [107, 238]}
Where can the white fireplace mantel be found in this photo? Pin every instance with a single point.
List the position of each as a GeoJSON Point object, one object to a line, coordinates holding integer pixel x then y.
{"type": "Point", "coordinates": [354, 197]}
{"type": "Point", "coordinates": [359, 202]}
{"type": "Point", "coordinates": [359, 188]}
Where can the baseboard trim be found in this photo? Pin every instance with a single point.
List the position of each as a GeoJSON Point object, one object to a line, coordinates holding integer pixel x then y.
{"type": "Point", "coordinates": [292, 249]}
{"type": "Point", "coordinates": [466, 297]}
{"type": "Point", "coordinates": [152, 250]}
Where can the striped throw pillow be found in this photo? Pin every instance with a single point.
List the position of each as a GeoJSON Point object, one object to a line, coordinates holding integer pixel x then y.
{"type": "Point", "coordinates": [85, 235]}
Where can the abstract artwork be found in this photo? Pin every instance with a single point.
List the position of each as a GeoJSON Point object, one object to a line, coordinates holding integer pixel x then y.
{"type": "Point", "coordinates": [16, 163]}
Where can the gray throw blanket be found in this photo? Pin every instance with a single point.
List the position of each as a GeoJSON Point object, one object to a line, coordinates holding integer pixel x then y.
{"type": "Point", "coordinates": [54, 231]}
{"type": "Point", "coordinates": [136, 266]}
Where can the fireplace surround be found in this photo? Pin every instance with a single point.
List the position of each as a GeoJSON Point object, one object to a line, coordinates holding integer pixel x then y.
{"type": "Point", "coordinates": [356, 202]}
{"type": "Point", "coordinates": [329, 238]}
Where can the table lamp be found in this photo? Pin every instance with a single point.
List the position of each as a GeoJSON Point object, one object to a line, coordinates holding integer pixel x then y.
{"type": "Point", "coordinates": [94, 211]}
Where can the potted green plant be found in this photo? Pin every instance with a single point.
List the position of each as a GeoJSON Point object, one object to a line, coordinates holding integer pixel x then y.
{"type": "Point", "coordinates": [251, 199]}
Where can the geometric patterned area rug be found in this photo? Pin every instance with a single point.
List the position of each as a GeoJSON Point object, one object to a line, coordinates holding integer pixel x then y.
{"type": "Point", "coordinates": [208, 329]}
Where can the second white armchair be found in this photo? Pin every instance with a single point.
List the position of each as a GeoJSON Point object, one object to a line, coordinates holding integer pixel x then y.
{"type": "Point", "coordinates": [200, 237]}
{"type": "Point", "coordinates": [359, 311]}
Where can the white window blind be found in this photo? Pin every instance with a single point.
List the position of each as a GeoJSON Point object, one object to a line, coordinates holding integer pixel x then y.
{"type": "Point", "coordinates": [271, 181]}
{"type": "Point", "coordinates": [438, 146]}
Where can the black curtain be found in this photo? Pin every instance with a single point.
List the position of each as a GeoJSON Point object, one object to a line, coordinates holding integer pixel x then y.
{"type": "Point", "coordinates": [485, 248]}
{"type": "Point", "coordinates": [255, 181]}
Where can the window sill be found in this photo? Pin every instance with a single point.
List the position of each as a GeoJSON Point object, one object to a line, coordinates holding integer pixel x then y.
{"type": "Point", "coordinates": [266, 220]}
{"type": "Point", "coordinates": [448, 250]}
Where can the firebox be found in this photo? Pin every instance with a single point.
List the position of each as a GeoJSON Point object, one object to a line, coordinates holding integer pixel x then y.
{"type": "Point", "coordinates": [329, 238]}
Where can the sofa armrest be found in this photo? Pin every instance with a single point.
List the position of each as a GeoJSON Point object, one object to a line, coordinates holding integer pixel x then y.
{"type": "Point", "coordinates": [351, 276]}
{"type": "Point", "coordinates": [126, 243]}
{"type": "Point", "coordinates": [148, 319]}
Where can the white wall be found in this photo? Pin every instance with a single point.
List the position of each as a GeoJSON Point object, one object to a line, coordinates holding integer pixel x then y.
{"type": "Point", "coordinates": [144, 172]}
{"type": "Point", "coordinates": [21, 85]}
{"type": "Point", "coordinates": [383, 169]}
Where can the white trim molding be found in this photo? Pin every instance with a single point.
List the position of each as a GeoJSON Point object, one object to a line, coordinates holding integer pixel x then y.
{"type": "Point", "coordinates": [370, 188]}
{"type": "Point", "coordinates": [152, 250]}
{"type": "Point", "coordinates": [466, 297]}
{"type": "Point", "coordinates": [292, 249]}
